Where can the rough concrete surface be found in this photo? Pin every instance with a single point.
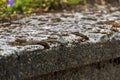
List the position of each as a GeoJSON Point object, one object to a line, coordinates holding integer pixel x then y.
{"type": "Point", "coordinates": [62, 46]}
{"type": "Point", "coordinates": [33, 63]}
{"type": "Point", "coordinates": [105, 70]}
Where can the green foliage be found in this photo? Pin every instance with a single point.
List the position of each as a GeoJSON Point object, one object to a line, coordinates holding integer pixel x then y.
{"type": "Point", "coordinates": [27, 6]}
{"type": "Point", "coordinates": [72, 1]}
{"type": "Point", "coordinates": [20, 6]}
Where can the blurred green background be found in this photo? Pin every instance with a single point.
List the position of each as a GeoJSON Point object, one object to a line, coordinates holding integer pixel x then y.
{"type": "Point", "coordinates": [28, 6]}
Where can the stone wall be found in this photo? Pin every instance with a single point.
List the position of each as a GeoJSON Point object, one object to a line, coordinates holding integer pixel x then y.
{"type": "Point", "coordinates": [24, 65]}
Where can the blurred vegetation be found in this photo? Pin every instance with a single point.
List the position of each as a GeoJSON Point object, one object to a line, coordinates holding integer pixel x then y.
{"type": "Point", "coordinates": [28, 6]}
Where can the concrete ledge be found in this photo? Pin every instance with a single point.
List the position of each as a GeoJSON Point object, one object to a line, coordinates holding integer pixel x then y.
{"type": "Point", "coordinates": [28, 64]}
{"type": "Point", "coordinates": [104, 70]}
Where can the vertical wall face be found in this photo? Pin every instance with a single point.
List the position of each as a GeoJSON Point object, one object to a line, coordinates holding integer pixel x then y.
{"type": "Point", "coordinates": [105, 70]}
{"type": "Point", "coordinates": [62, 59]}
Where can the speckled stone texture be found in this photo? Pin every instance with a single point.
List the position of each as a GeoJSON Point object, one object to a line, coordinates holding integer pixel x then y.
{"type": "Point", "coordinates": [24, 65]}
{"type": "Point", "coordinates": [105, 70]}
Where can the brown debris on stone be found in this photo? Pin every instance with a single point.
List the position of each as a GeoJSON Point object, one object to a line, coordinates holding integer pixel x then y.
{"type": "Point", "coordinates": [18, 42]}
{"type": "Point", "coordinates": [81, 35]}
{"type": "Point", "coordinates": [23, 42]}
{"type": "Point", "coordinates": [56, 19]}
{"type": "Point", "coordinates": [115, 29]}
{"type": "Point", "coordinates": [114, 24]}
{"type": "Point", "coordinates": [43, 43]}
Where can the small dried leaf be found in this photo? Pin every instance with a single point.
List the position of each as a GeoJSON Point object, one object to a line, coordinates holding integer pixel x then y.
{"type": "Point", "coordinates": [43, 43]}
{"type": "Point", "coordinates": [81, 35]}
{"type": "Point", "coordinates": [115, 29]}
{"type": "Point", "coordinates": [18, 42]}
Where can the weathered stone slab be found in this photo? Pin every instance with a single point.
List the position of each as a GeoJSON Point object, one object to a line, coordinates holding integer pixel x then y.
{"type": "Point", "coordinates": [33, 63]}
{"type": "Point", "coordinates": [105, 70]}
{"type": "Point", "coordinates": [50, 43]}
